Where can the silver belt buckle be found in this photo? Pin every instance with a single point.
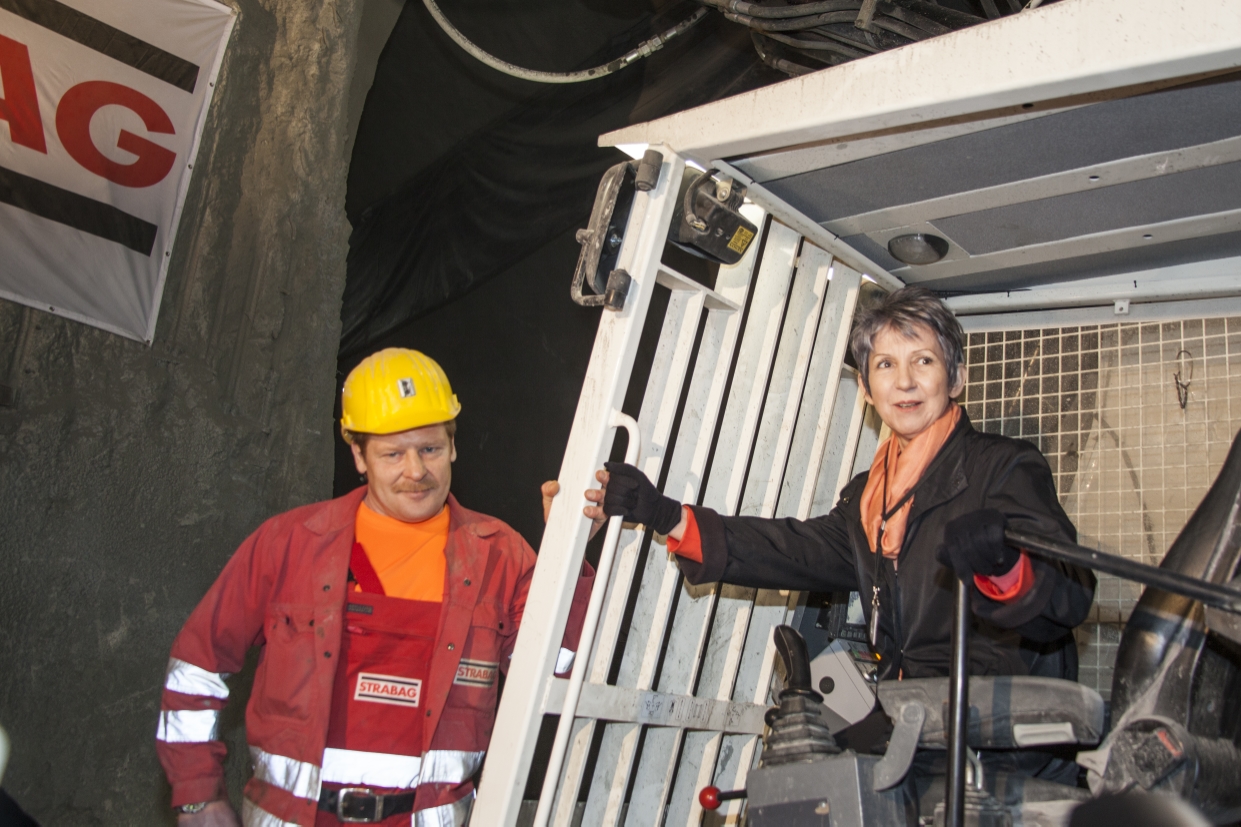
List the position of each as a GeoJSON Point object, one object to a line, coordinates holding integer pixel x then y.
{"type": "Point", "coordinates": [347, 791]}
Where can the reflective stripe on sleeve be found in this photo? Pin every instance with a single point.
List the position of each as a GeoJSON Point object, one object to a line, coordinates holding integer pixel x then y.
{"type": "Point", "coordinates": [254, 816]}
{"type": "Point", "coordinates": [564, 661]}
{"type": "Point", "coordinates": [297, 777]}
{"type": "Point", "coordinates": [188, 726]}
{"type": "Point", "coordinates": [377, 769]}
{"type": "Point", "coordinates": [449, 766]}
{"type": "Point", "coordinates": [189, 679]}
{"type": "Point", "coordinates": [455, 814]}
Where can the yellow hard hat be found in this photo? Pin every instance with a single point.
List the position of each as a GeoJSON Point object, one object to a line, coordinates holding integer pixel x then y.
{"type": "Point", "coordinates": [394, 390]}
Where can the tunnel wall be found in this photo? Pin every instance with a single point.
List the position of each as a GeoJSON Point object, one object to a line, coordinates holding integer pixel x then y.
{"type": "Point", "coordinates": [128, 473]}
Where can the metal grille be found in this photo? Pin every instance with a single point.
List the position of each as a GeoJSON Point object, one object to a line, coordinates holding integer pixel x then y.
{"type": "Point", "coordinates": [1131, 464]}
{"type": "Point", "coordinates": [767, 422]}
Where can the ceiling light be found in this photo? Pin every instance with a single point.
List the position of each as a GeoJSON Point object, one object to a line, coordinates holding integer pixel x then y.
{"type": "Point", "coordinates": [918, 248]}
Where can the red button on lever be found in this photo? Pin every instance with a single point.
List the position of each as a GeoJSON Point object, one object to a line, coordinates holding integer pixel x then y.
{"type": "Point", "coordinates": [710, 797]}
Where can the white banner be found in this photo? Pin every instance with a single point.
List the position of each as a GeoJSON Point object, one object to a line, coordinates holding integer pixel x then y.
{"type": "Point", "coordinates": [102, 103]}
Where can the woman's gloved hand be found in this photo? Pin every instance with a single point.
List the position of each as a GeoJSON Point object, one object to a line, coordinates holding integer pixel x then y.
{"type": "Point", "coordinates": [632, 496]}
{"type": "Point", "coordinates": [974, 544]}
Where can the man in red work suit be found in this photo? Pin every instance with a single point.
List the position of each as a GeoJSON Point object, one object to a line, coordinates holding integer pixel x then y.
{"type": "Point", "coordinates": [384, 616]}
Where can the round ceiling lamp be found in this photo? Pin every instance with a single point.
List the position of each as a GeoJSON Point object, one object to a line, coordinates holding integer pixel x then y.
{"type": "Point", "coordinates": [918, 248]}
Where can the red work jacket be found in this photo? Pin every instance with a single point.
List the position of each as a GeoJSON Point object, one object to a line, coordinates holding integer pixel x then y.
{"type": "Point", "coordinates": [285, 590]}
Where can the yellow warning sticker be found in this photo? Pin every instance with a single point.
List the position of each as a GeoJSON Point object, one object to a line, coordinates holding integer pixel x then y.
{"type": "Point", "coordinates": [741, 240]}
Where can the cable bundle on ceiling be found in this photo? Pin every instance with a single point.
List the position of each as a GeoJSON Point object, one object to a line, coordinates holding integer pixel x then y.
{"type": "Point", "coordinates": [794, 37]}
{"type": "Point", "coordinates": [800, 37]}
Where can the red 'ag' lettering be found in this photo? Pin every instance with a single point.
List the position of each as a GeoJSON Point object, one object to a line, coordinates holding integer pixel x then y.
{"type": "Point", "coordinates": [73, 117]}
{"type": "Point", "coordinates": [20, 105]}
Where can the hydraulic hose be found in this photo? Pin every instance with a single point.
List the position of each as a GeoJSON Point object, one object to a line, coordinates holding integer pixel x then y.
{"type": "Point", "coordinates": [903, 29]}
{"type": "Point", "coordinates": [795, 23]}
{"type": "Point", "coordinates": [777, 12]}
{"type": "Point", "coordinates": [644, 49]}
{"type": "Point", "coordinates": [778, 63]}
{"type": "Point", "coordinates": [817, 45]}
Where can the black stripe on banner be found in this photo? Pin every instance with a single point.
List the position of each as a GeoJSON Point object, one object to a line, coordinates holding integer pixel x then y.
{"type": "Point", "coordinates": [105, 39]}
{"type": "Point", "coordinates": [76, 211]}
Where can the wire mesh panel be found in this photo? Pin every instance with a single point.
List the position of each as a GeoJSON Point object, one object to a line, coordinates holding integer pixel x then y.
{"type": "Point", "coordinates": [747, 409]}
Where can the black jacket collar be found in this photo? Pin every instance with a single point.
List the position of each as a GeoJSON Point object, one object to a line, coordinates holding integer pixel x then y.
{"type": "Point", "coordinates": [945, 477]}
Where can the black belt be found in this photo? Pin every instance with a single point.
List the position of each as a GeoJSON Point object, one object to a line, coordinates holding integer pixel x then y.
{"type": "Point", "coordinates": [358, 805]}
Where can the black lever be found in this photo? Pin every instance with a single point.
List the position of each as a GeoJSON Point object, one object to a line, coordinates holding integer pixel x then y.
{"type": "Point", "coordinates": [798, 733]}
{"type": "Point", "coordinates": [796, 657]}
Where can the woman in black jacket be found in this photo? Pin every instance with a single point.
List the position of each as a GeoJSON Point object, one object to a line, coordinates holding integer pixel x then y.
{"type": "Point", "coordinates": [936, 501]}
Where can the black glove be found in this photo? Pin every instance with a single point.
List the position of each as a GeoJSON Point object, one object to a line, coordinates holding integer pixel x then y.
{"type": "Point", "coordinates": [632, 496]}
{"type": "Point", "coordinates": [974, 544]}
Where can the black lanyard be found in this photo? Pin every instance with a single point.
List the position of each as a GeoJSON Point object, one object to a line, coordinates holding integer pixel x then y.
{"type": "Point", "coordinates": [884, 516]}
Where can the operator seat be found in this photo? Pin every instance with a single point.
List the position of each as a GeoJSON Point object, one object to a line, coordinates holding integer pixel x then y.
{"type": "Point", "coordinates": [1006, 712]}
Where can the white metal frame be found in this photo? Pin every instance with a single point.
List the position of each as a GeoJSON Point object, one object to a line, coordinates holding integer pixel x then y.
{"type": "Point", "coordinates": [770, 423]}
{"type": "Point", "coordinates": [753, 368]}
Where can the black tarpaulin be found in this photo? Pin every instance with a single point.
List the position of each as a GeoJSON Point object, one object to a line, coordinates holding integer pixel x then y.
{"type": "Point", "coordinates": [506, 191]}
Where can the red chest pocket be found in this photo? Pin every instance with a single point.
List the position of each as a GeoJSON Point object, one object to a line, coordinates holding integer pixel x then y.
{"type": "Point", "coordinates": [377, 698]}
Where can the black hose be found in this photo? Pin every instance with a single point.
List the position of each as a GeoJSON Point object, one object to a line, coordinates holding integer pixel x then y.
{"type": "Point", "coordinates": [779, 12]}
{"type": "Point", "coordinates": [818, 45]}
{"type": "Point", "coordinates": [926, 24]}
{"type": "Point", "coordinates": [850, 36]}
{"type": "Point", "coordinates": [897, 27]}
{"type": "Point", "coordinates": [779, 63]}
{"type": "Point", "coordinates": [796, 24]}
{"type": "Point", "coordinates": [941, 14]}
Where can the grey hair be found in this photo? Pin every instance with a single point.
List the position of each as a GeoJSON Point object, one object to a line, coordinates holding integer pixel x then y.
{"type": "Point", "coordinates": [904, 310]}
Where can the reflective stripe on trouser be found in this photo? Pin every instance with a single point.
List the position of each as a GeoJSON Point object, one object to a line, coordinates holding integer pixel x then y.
{"type": "Point", "coordinates": [300, 778]}
{"type": "Point", "coordinates": [456, 814]}
{"type": "Point", "coordinates": [449, 766]}
{"type": "Point", "coordinates": [381, 769]}
{"type": "Point", "coordinates": [343, 766]}
{"type": "Point", "coordinates": [188, 726]}
{"type": "Point", "coordinates": [375, 769]}
{"type": "Point", "coordinates": [254, 816]}
{"type": "Point", "coordinates": [188, 679]}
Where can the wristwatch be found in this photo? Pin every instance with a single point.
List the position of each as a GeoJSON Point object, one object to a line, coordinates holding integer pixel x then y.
{"type": "Point", "coordinates": [189, 809]}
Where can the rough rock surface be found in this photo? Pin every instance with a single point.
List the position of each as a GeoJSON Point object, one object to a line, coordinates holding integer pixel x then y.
{"type": "Point", "coordinates": [128, 474]}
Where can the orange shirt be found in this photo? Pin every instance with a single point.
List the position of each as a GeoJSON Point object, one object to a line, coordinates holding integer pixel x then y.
{"type": "Point", "coordinates": [408, 557]}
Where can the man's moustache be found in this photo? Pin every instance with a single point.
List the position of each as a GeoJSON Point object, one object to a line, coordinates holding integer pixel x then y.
{"type": "Point", "coordinates": [414, 489]}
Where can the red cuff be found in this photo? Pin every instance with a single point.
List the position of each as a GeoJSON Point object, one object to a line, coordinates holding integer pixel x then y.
{"type": "Point", "coordinates": [690, 544]}
{"type": "Point", "coordinates": [1009, 586]}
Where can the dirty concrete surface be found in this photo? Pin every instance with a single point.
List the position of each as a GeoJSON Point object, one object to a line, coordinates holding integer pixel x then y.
{"type": "Point", "coordinates": [129, 473]}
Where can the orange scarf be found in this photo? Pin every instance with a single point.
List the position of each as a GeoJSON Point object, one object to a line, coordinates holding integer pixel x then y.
{"type": "Point", "coordinates": [906, 467]}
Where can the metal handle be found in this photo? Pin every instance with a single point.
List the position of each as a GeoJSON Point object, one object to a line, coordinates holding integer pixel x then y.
{"type": "Point", "coordinates": [1212, 594]}
{"type": "Point", "coordinates": [589, 626]}
{"type": "Point", "coordinates": [958, 708]}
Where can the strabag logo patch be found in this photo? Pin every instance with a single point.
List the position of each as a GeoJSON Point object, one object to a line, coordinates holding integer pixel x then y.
{"type": "Point", "coordinates": [476, 673]}
{"type": "Point", "coordinates": [387, 689]}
